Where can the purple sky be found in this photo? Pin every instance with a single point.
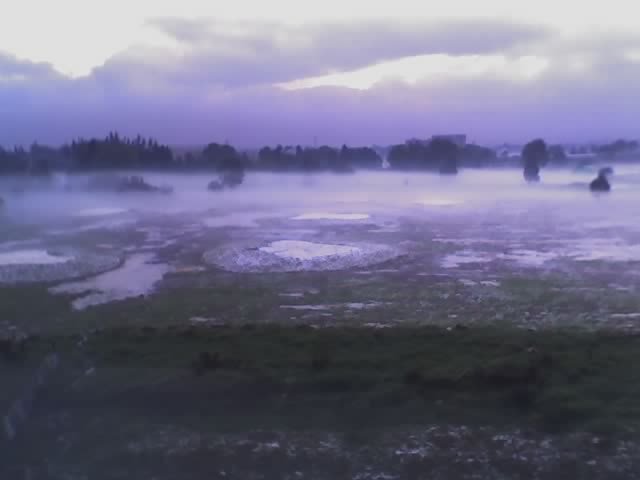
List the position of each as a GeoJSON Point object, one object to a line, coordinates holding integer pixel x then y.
{"type": "Point", "coordinates": [356, 80]}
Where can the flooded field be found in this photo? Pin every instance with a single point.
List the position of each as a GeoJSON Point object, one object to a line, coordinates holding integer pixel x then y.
{"type": "Point", "coordinates": [312, 264]}
{"type": "Point", "coordinates": [411, 235]}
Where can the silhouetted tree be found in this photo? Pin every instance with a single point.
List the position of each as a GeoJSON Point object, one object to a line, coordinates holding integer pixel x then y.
{"type": "Point", "coordinates": [13, 161]}
{"type": "Point", "coordinates": [619, 147]}
{"type": "Point", "coordinates": [363, 157]}
{"type": "Point", "coordinates": [408, 156]}
{"type": "Point", "coordinates": [600, 184]}
{"type": "Point", "coordinates": [557, 155]}
{"type": "Point", "coordinates": [439, 155]}
{"type": "Point", "coordinates": [475, 156]}
{"type": "Point", "coordinates": [445, 153]}
{"type": "Point", "coordinates": [323, 158]}
{"type": "Point", "coordinates": [534, 155]}
{"type": "Point", "coordinates": [115, 152]}
{"type": "Point", "coordinates": [221, 157]}
{"type": "Point", "coordinates": [229, 164]}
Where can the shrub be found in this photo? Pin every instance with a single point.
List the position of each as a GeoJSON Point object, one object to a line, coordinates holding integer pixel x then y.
{"type": "Point", "coordinates": [205, 362]}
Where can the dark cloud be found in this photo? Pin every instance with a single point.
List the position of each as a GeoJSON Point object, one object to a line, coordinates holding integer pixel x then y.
{"type": "Point", "coordinates": [243, 54]}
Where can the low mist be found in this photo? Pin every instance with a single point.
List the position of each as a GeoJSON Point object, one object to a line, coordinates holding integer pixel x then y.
{"type": "Point", "coordinates": [563, 194]}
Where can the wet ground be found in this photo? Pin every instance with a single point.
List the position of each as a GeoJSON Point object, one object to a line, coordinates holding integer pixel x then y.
{"type": "Point", "coordinates": [397, 246]}
{"type": "Point", "coordinates": [369, 250]}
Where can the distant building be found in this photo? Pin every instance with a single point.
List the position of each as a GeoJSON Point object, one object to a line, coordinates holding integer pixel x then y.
{"type": "Point", "coordinates": [508, 152]}
{"type": "Point", "coordinates": [419, 141]}
{"type": "Point", "coordinates": [581, 155]}
{"type": "Point", "coordinates": [459, 139]}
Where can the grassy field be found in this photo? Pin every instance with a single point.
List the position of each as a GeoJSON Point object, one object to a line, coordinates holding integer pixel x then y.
{"type": "Point", "coordinates": [221, 375]}
{"type": "Point", "coordinates": [549, 379]}
{"type": "Point", "coordinates": [129, 386]}
{"type": "Point", "coordinates": [396, 298]}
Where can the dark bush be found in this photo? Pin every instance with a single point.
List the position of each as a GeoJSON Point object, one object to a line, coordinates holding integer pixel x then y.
{"type": "Point", "coordinates": [523, 397]}
{"type": "Point", "coordinates": [535, 155]}
{"type": "Point", "coordinates": [413, 377]}
{"type": "Point", "coordinates": [320, 358]}
{"type": "Point", "coordinates": [206, 362]}
{"type": "Point", "coordinates": [12, 349]}
{"type": "Point", "coordinates": [600, 184]}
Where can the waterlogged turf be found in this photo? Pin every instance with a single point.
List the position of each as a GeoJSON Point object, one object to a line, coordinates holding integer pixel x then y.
{"type": "Point", "coordinates": [488, 334]}
{"type": "Point", "coordinates": [301, 399]}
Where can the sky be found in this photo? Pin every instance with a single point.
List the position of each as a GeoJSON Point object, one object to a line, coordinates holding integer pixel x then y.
{"type": "Point", "coordinates": [252, 72]}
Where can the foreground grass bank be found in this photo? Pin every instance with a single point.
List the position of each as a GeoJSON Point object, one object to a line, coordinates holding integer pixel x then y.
{"type": "Point", "coordinates": [306, 377]}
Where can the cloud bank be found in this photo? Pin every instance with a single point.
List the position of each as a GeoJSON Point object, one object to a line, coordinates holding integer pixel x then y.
{"type": "Point", "coordinates": [219, 81]}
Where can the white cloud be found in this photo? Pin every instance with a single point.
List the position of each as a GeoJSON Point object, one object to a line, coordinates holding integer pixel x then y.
{"type": "Point", "coordinates": [78, 35]}
{"type": "Point", "coordinates": [208, 53]}
{"type": "Point", "coordinates": [167, 69]}
{"type": "Point", "coordinates": [430, 67]}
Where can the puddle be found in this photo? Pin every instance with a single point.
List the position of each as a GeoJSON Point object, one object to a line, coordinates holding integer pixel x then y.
{"type": "Point", "coordinates": [484, 283]}
{"type": "Point", "coordinates": [297, 256]}
{"type": "Point", "coordinates": [580, 250]}
{"type": "Point", "coordinates": [117, 224]}
{"type": "Point", "coordinates": [20, 244]}
{"type": "Point", "coordinates": [32, 257]}
{"type": "Point", "coordinates": [209, 321]}
{"type": "Point", "coordinates": [306, 307]}
{"type": "Point", "coordinates": [377, 325]}
{"type": "Point", "coordinates": [350, 306]}
{"type": "Point", "coordinates": [604, 249]}
{"type": "Point", "coordinates": [462, 258]}
{"type": "Point", "coordinates": [332, 216]}
{"type": "Point", "coordinates": [29, 266]}
{"type": "Point", "coordinates": [135, 278]}
{"type": "Point", "coordinates": [247, 220]}
{"type": "Point", "coordinates": [289, 232]}
{"type": "Point", "coordinates": [100, 212]}
{"type": "Point", "coordinates": [529, 258]}
{"type": "Point", "coordinates": [439, 202]}
{"type": "Point", "coordinates": [188, 269]}
{"type": "Point", "coordinates": [158, 245]}
{"type": "Point", "coordinates": [301, 250]}
{"type": "Point", "coordinates": [361, 305]}
{"type": "Point", "coordinates": [472, 241]}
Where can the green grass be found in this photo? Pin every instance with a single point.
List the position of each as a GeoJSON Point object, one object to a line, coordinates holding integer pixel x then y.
{"type": "Point", "coordinates": [269, 369]}
{"type": "Point", "coordinates": [551, 380]}
{"type": "Point", "coordinates": [31, 306]}
{"type": "Point", "coordinates": [493, 372]}
{"type": "Point", "coordinates": [255, 299]}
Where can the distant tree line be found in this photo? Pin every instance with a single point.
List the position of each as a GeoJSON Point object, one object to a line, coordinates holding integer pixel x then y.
{"type": "Point", "coordinates": [537, 154]}
{"type": "Point", "coordinates": [111, 153]}
{"type": "Point", "coordinates": [318, 159]}
{"type": "Point", "coordinates": [37, 160]}
{"type": "Point", "coordinates": [121, 153]}
{"type": "Point", "coordinates": [440, 155]}
{"type": "Point", "coordinates": [115, 152]}
{"type": "Point", "coordinates": [619, 147]}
